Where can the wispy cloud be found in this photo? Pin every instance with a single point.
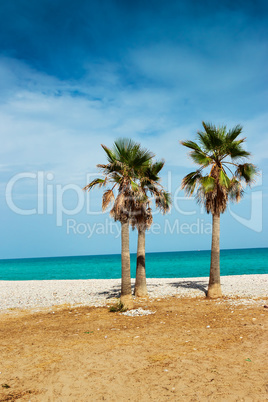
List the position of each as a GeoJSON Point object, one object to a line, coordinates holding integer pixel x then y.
{"type": "Point", "coordinates": [50, 122]}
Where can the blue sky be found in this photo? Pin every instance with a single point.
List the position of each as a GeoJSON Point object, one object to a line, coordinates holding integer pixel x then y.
{"type": "Point", "coordinates": [78, 74]}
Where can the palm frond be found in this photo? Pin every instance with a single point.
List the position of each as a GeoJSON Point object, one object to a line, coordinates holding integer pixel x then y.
{"type": "Point", "coordinates": [190, 181]}
{"type": "Point", "coordinates": [110, 154]}
{"type": "Point", "coordinates": [116, 177]}
{"type": "Point", "coordinates": [163, 201]}
{"type": "Point", "coordinates": [141, 158]}
{"type": "Point", "coordinates": [208, 183]}
{"type": "Point", "coordinates": [224, 179]}
{"type": "Point", "coordinates": [101, 166]}
{"type": "Point", "coordinates": [247, 172]}
{"type": "Point", "coordinates": [157, 166]}
{"type": "Point", "coordinates": [107, 198]}
{"type": "Point", "coordinates": [131, 154]}
{"type": "Point", "coordinates": [154, 188]}
{"type": "Point", "coordinates": [204, 141]}
{"type": "Point", "coordinates": [122, 148]}
{"type": "Point", "coordinates": [191, 144]}
{"type": "Point", "coordinates": [119, 207]}
{"type": "Point", "coordinates": [235, 150]}
{"type": "Point", "coordinates": [200, 158]}
{"type": "Point", "coordinates": [216, 135]}
{"type": "Point", "coordinates": [134, 185]}
{"type": "Point", "coordinates": [95, 182]}
{"type": "Point", "coordinates": [234, 133]}
{"type": "Point", "coordinates": [235, 190]}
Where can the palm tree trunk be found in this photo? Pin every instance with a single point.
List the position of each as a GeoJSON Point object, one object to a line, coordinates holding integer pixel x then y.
{"type": "Point", "coordinates": [126, 295]}
{"type": "Point", "coordinates": [140, 285]}
{"type": "Point", "coordinates": [214, 286]}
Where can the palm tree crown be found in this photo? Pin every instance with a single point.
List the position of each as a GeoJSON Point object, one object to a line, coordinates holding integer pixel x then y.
{"type": "Point", "coordinates": [222, 153]}
{"type": "Point", "coordinates": [125, 160]}
{"type": "Point", "coordinates": [149, 185]}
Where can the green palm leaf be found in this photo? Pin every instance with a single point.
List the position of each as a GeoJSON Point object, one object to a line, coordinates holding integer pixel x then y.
{"type": "Point", "coordinates": [156, 167]}
{"type": "Point", "coordinates": [95, 182]}
{"type": "Point", "coordinates": [191, 145]}
{"type": "Point", "coordinates": [235, 150]}
{"type": "Point", "coordinates": [216, 136]}
{"type": "Point", "coordinates": [163, 201]}
{"type": "Point", "coordinates": [190, 181]}
{"type": "Point", "coordinates": [110, 155]}
{"type": "Point", "coordinates": [204, 141]}
{"type": "Point", "coordinates": [247, 171]}
{"type": "Point", "coordinates": [134, 185]}
{"type": "Point", "coordinates": [200, 158]}
{"type": "Point", "coordinates": [224, 179]}
{"type": "Point", "coordinates": [234, 133]}
{"type": "Point", "coordinates": [208, 183]}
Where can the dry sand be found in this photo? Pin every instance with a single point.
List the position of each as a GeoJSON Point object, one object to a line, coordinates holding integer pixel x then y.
{"type": "Point", "coordinates": [190, 349]}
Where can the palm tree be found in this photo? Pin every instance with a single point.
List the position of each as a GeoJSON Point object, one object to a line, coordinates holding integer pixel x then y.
{"type": "Point", "coordinates": [142, 216]}
{"type": "Point", "coordinates": [125, 160]}
{"type": "Point", "coordinates": [223, 154]}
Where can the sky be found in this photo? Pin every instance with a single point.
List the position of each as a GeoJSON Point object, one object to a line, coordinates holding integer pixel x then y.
{"type": "Point", "coordinates": [74, 75]}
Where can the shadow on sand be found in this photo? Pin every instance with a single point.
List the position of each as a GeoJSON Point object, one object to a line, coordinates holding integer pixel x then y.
{"type": "Point", "coordinates": [114, 291]}
{"type": "Point", "coordinates": [201, 285]}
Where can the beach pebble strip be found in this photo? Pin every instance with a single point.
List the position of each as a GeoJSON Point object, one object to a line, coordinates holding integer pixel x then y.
{"type": "Point", "coordinates": [101, 292]}
{"type": "Point", "coordinates": [137, 312]}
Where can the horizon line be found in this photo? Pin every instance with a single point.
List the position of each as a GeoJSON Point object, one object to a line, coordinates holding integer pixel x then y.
{"type": "Point", "coordinates": [119, 254]}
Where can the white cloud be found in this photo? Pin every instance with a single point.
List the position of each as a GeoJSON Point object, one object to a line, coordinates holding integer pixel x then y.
{"type": "Point", "coordinates": [44, 126]}
{"type": "Point", "coordinates": [40, 128]}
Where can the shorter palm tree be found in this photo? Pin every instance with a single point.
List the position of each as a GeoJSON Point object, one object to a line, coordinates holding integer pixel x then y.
{"type": "Point", "coordinates": [222, 153]}
{"type": "Point", "coordinates": [142, 215]}
{"type": "Point", "coordinates": [125, 160]}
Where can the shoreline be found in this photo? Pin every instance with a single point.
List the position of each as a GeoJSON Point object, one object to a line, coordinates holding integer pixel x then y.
{"type": "Point", "coordinates": [39, 294]}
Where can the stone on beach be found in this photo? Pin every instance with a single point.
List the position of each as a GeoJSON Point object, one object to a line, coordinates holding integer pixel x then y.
{"type": "Point", "coordinates": [101, 292]}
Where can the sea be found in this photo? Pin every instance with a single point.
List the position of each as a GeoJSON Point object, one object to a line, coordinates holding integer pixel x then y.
{"type": "Point", "coordinates": [182, 264]}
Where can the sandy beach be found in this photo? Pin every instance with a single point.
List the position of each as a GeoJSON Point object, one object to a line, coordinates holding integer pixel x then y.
{"type": "Point", "coordinates": [60, 342]}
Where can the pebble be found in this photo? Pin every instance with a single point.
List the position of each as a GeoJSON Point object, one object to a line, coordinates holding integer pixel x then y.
{"type": "Point", "coordinates": [137, 312]}
{"type": "Point", "coordinates": [90, 292]}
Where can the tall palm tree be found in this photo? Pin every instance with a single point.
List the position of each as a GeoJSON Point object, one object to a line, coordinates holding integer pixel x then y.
{"type": "Point", "coordinates": [125, 160]}
{"type": "Point", "coordinates": [142, 215]}
{"type": "Point", "coordinates": [222, 153]}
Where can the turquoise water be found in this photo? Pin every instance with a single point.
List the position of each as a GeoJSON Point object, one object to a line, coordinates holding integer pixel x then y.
{"type": "Point", "coordinates": [185, 264]}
